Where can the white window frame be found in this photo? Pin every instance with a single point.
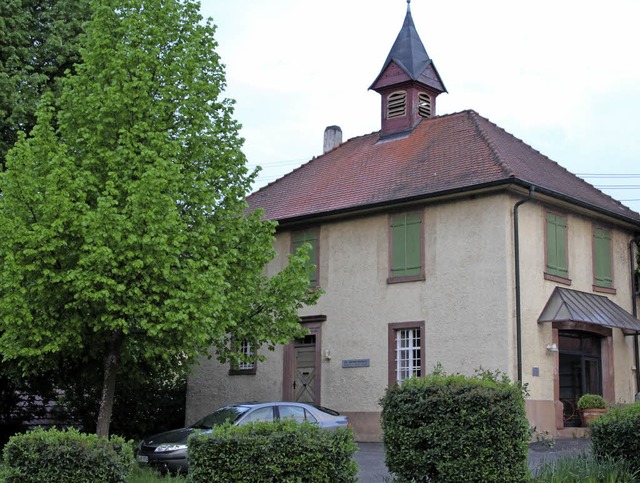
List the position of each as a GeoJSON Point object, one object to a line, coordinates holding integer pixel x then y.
{"type": "Point", "coordinates": [406, 351]}
{"type": "Point", "coordinates": [239, 367]}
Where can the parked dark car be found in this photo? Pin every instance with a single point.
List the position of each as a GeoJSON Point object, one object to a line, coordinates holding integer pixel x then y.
{"type": "Point", "coordinates": [168, 451]}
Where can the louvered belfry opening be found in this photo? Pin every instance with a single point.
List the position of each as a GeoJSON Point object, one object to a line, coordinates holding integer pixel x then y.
{"type": "Point", "coordinates": [397, 104]}
{"type": "Point", "coordinates": [424, 105]}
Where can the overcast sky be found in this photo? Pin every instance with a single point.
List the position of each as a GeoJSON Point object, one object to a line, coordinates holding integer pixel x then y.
{"type": "Point", "coordinates": [562, 75]}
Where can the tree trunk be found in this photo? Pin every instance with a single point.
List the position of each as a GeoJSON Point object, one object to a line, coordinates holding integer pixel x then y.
{"type": "Point", "coordinates": [111, 361]}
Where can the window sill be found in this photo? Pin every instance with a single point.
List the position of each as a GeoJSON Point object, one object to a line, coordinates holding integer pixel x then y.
{"type": "Point", "coordinates": [601, 289]}
{"type": "Point", "coordinates": [556, 278]}
{"type": "Point", "coordinates": [242, 372]}
{"type": "Point", "coordinates": [407, 278]}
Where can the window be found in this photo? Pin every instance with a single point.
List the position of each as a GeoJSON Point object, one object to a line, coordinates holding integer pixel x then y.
{"type": "Point", "coordinates": [309, 236]}
{"type": "Point", "coordinates": [602, 273]}
{"type": "Point", "coordinates": [241, 366]}
{"type": "Point", "coordinates": [406, 250]}
{"type": "Point", "coordinates": [424, 105]}
{"type": "Point", "coordinates": [260, 414]}
{"type": "Point", "coordinates": [296, 413]}
{"type": "Point", "coordinates": [406, 357]}
{"type": "Point", "coordinates": [396, 104]}
{"type": "Point", "coordinates": [557, 245]}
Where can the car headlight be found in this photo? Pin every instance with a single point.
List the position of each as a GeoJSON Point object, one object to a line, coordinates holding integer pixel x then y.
{"type": "Point", "coordinates": [163, 448]}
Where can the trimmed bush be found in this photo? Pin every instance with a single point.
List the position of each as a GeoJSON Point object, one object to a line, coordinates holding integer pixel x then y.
{"type": "Point", "coordinates": [285, 451]}
{"type": "Point", "coordinates": [615, 434]}
{"type": "Point", "coordinates": [453, 428]}
{"type": "Point", "coordinates": [41, 456]}
{"type": "Point", "coordinates": [591, 401]}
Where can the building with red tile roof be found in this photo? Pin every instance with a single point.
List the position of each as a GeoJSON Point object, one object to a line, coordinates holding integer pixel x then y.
{"type": "Point", "coordinates": [445, 240]}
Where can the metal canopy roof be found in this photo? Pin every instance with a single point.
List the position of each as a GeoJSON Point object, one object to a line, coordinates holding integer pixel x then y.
{"type": "Point", "coordinates": [566, 305]}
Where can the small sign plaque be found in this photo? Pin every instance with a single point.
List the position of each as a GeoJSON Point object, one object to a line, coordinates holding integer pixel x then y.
{"type": "Point", "coordinates": [348, 363]}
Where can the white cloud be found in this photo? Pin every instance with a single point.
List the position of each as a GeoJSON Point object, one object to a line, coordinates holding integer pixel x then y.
{"type": "Point", "coordinates": [561, 75]}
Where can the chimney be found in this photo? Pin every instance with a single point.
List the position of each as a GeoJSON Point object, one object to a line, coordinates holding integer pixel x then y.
{"type": "Point", "coordinates": [332, 138]}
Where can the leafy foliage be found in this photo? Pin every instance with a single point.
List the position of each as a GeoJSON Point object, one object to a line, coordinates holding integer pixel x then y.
{"type": "Point", "coordinates": [66, 456]}
{"type": "Point", "coordinates": [39, 41]}
{"type": "Point", "coordinates": [281, 451]}
{"type": "Point", "coordinates": [452, 428]}
{"type": "Point", "coordinates": [125, 237]}
{"type": "Point", "coordinates": [615, 434]}
{"type": "Point", "coordinates": [591, 401]}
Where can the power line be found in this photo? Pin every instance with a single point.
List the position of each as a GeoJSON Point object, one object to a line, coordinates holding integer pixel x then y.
{"type": "Point", "coordinates": [608, 175]}
{"type": "Point", "coordinates": [618, 187]}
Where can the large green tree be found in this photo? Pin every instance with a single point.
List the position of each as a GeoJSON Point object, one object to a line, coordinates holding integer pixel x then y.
{"type": "Point", "coordinates": [39, 41]}
{"type": "Point", "coordinates": [125, 236]}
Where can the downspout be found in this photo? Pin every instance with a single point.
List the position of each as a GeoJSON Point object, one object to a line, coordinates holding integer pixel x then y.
{"type": "Point", "coordinates": [516, 241]}
{"type": "Point", "coordinates": [634, 305]}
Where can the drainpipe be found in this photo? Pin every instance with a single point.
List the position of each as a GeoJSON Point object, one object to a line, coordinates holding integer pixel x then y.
{"type": "Point", "coordinates": [516, 241]}
{"type": "Point", "coordinates": [634, 305]}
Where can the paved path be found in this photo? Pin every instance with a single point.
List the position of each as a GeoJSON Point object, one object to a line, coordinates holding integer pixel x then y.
{"type": "Point", "coordinates": [372, 469]}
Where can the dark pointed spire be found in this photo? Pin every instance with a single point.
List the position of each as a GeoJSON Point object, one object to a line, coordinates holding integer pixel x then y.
{"type": "Point", "coordinates": [408, 51]}
{"type": "Point", "coordinates": [409, 54]}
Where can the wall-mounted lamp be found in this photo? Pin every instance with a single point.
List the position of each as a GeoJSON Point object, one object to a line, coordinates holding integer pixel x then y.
{"type": "Point", "coordinates": [327, 354]}
{"type": "Point", "coordinates": [552, 347]}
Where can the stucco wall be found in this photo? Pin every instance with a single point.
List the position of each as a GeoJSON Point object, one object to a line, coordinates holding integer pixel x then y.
{"type": "Point", "coordinates": [536, 291]}
{"type": "Point", "coordinates": [466, 302]}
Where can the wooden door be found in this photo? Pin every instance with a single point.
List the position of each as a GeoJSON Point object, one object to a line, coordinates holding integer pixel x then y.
{"type": "Point", "coordinates": [305, 370]}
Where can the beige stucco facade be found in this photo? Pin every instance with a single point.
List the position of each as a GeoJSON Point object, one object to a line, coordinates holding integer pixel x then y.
{"type": "Point", "coordinates": [466, 302]}
{"type": "Point", "coordinates": [618, 356]}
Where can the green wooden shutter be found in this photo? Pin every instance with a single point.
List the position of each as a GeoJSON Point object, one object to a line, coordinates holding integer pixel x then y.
{"type": "Point", "coordinates": [557, 245]}
{"type": "Point", "coordinates": [602, 257]}
{"type": "Point", "coordinates": [406, 258]}
{"type": "Point", "coordinates": [311, 237]}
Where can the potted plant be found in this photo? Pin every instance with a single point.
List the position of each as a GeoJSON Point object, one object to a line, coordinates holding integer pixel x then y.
{"type": "Point", "coordinates": [591, 406]}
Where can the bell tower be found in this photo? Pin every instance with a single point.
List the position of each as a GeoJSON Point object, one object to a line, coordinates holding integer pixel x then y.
{"type": "Point", "coordinates": [408, 82]}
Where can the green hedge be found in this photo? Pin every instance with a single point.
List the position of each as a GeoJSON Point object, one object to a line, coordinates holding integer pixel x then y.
{"type": "Point", "coordinates": [615, 434]}
{"type": "Point", "coordinates": [285, 451]}
{"type": "Point", "coordinates": [453, 428]}
{"type": "Point", "coordinates": [42, 456]}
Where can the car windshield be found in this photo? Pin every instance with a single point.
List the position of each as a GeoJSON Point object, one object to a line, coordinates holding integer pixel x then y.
{"type": "Point", "coordinates": [227, 414]}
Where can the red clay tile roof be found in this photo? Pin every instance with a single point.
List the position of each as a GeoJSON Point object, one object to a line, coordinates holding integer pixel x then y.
{"type": "Point", "coordinates": [449, 153]}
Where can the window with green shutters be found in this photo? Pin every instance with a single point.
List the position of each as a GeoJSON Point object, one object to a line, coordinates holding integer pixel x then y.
{"type": "Point", "coordinates": [406, 258]}
{"type": "Point", "coordinates": [557, 245]}
{"type": "Point", "coordinates": [602, 257]}
{"type": "Point", "coordinates": [309, 236]}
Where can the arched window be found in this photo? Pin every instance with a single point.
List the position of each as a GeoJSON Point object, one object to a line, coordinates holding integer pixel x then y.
{"type": "Point", "coordinates": [397, 104]}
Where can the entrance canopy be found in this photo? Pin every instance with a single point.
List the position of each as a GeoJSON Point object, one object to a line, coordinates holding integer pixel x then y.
{"type": "Point", "coordinates": [566, 305]}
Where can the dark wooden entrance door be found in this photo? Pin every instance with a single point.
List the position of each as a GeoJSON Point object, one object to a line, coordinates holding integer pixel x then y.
{"type": "Point", "coordinates": [305, 369]}
{"type": "Point", "coordinates": [580, 371]}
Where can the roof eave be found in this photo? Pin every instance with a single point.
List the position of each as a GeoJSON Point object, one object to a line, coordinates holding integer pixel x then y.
{"type": "Point", "coordinates": [547, 195]}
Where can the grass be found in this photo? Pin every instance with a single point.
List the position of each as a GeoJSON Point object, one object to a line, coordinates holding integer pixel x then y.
{"type": "Point", "coordinates": [147, 475]}
{"type": "Point", "coordinates": [585, 468]}
{"type": "Point", "coordinates": [139, 475]}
